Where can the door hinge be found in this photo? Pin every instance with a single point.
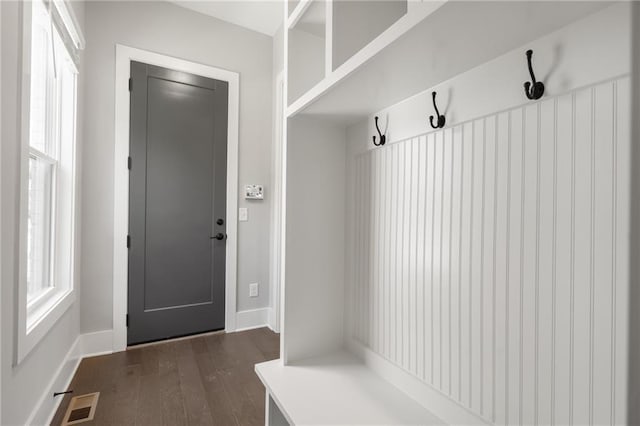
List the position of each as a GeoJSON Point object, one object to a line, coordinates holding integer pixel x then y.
{"type": "Point", "coordinates": [127, 320]}
{"type": "Point", "coordinates": [130, 85]}
{"type": "Point", "coordinates": [129, 163]}
{"type": "Point", "coordinates": [128, 241]}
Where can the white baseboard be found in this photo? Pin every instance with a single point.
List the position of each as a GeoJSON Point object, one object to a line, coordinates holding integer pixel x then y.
{"type": "Point", "coordinates": [85, 345]}
{"type": "Point", "coordinates": [96, 343]}
{"type": "Point", "coordinates": [250, 319]}
{"type": "Point", "coordinates": [432, 399]}
{"type": "Point", "coordinates": [47, 405]}
{"type": "Point", "coordinates": [272, 322]}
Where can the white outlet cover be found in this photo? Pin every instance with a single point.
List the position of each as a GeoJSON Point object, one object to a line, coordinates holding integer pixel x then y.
{"type": "Point", "coordinates": [243, 214]}
{"type": "Point", "coordinates": [253, 290]}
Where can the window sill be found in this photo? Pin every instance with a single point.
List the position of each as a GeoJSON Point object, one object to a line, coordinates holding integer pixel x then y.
{"type": "Point", "coordinates": [41, 319]}
{"type": "Point", "coordinates": [39, 306]}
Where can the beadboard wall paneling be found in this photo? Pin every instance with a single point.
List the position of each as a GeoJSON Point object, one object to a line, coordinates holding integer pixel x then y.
{"type": "Point", "coordinates": [490, 259]}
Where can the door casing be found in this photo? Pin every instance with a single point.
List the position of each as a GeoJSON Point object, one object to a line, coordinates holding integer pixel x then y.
{"type": "Point", "coordinates": [124, 56]}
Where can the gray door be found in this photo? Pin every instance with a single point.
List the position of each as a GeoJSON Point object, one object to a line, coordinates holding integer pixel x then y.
{"type": "Point", "coordinates": [177, 203]}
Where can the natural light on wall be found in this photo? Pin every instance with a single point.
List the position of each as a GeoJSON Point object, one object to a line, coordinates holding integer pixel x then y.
{"type": "Point", "coordinates": [49, 127]}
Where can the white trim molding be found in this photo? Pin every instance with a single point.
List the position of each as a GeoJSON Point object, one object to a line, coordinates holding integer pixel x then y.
{"type": "Point", "coordinates": [254, 318]}
{"type": "Point", "coordinates": [273, 320]}
{"type": "Point", "coordinates": [276, 204]}
{"type": "Point", "coordinates": [71, 22]}
{"type": "Point", "coordinates": [93, 344]}
{"type": "Point", "coordinates": [124, 56]}
{"type": "Point", "coordinates": [283, 195]}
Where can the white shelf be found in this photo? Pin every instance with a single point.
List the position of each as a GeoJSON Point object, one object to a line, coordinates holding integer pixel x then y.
{"type": "Point", "coordinates": [338, 389]}
{"type": "Point", "coordinates": [432, 43]}
{"type": "Point", "coordinates": [312, 19]}
{"type": "Point", "coordinates": [297, 13]}
{"type": "Point", "coordinates": [291, 6]}
{"type": "Point", "coordinates": [392, 33]}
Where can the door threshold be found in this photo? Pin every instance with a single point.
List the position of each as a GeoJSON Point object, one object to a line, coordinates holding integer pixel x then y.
{"type": "Point", "coordinates": [174, 339]}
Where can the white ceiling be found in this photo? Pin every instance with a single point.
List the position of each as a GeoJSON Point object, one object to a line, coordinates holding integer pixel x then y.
{"type": "Point", "coordinates": [264, 16]}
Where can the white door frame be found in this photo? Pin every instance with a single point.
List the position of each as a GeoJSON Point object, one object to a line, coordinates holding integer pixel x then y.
{"type": "Point", "coordinates": [124, 56]}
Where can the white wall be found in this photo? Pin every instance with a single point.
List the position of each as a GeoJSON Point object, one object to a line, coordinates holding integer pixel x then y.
{"type": "Point", "coordinates": [306, 62]}
{"type": "Point", "coordinates": [490, 259]}
{"type": "Point", "coordinates": [356, 23]}
{"type": "Point", "coordinates": [168, 29]}
{"type": "Point", "coordinates": [278, 51]}
{"type": "Point", "coordinates": [23, 385]}
{"type": "Point", "coordinates": [315, 227]}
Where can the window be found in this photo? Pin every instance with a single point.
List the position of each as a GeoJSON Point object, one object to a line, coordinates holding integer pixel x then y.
{"type": "Point", "coordinates": [49, 163]}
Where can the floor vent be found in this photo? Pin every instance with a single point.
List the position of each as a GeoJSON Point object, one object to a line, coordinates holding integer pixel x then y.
{"type": "Point", "coordinates": [81, 409]}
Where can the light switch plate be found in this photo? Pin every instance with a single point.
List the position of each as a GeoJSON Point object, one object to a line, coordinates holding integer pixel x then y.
{"type": "Point", "coordinates": [253, 290]}
{"type": "Point", "coordinates": [243, 214]}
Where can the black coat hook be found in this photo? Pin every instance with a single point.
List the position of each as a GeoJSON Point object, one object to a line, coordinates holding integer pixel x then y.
{"type": "Point", "coordinates": [533, 89]}
{"type": "Point", "coordinates": [441, 119]}
{"type": "Point", "coordinates": [383, 138]}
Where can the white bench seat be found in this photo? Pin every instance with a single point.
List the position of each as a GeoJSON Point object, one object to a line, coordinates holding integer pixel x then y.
{"type": "Point", "coordinates": [337, 389]}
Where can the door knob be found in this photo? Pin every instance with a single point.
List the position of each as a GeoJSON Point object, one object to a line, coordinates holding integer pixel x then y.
{"type": "Point", "coordinates": [219, 236]}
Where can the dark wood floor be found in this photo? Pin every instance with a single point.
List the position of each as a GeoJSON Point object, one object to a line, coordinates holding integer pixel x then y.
{"type": "Point", "coordinates": [205, 380]}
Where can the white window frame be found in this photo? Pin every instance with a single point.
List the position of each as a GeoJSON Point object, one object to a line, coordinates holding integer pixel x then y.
{"type": "Point", "coordinates": [39, 316]}
{"type": "Point", "coordinates": [36, 304]}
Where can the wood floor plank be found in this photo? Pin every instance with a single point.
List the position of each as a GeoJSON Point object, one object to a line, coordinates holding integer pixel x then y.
{"type": "Point", "coordinates": [148, 410]}
{"type": "Point", "coordinates": [217, 397]}
{"type": "Point", "coordinates": [244, 408]}
{"type": "Point", "coordinates": [125, 394]}
{"type": "Point", "coordinates": [191, 386]}
{"type": "Point", "coordinates": [171, 398]}
{"type": "Point", "coordinates": [204, 380]}
{"type": "Point", "coordinates": [269, 346]}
